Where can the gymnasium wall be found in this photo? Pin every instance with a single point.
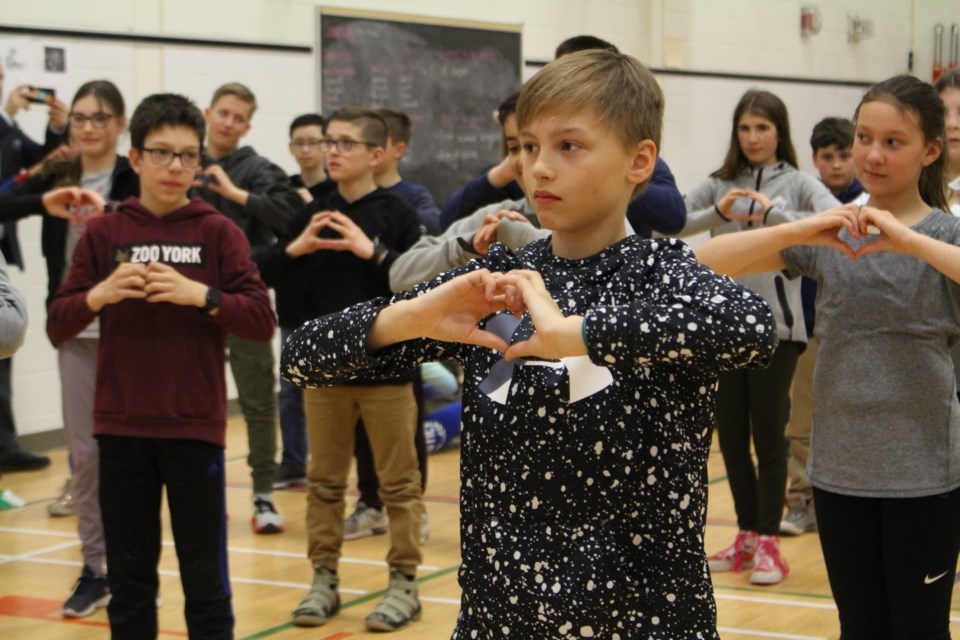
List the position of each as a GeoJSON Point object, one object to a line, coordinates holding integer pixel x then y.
{"type": "Point", "coordinates": [705, 54]}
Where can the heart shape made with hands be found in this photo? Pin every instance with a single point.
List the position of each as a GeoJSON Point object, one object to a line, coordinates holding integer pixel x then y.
{"type": "Point", "coordinates": [77, 205]}
{"type": "Point", "coordinates": [865, 224]}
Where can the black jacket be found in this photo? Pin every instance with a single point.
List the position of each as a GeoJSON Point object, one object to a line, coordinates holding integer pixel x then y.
{"type": "Point", "coordinates": [272, 201]}
{"type": "Point", "coordinates": [18, 151]}
{"type": "Point", "coordinates": [327, 281]}
{"type": "Point", "coordinates": [27, 199]}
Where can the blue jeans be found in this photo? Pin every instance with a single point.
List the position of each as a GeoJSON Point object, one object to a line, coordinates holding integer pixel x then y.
{"type": "Point", "coordinates": [293, 427]}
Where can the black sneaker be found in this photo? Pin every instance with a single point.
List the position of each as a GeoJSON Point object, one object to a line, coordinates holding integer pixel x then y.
{"type": "Point", "coordinates": [289, 475]}
{"type": "Point", "coordinates": [20, 460]}
{"type": "Point", "coordinates": [90, 593]}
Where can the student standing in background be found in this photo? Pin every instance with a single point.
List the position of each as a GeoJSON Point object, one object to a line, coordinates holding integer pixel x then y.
{"type": "Point", "coordinates": [168, 277]}
{"type": "Point", "coordinates": [256, 194]}
{"type": "Point", "coordinates": [68, 193]}
{"type": "Point", "coordinates": [758, 185]}
{"type": "Point", "coordinates": [336, 252]}
{"type": "Point", "coordinates": [306, 139]}
{"type": "Point", "coordinates": [948, 86]}
{"type": "Point", "coordinates": [17, 152]}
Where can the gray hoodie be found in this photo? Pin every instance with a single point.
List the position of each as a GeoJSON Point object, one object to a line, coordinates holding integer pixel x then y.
{"type": "Point", "coordinates": [433, 255]}
{"type": "Point", "coordinates": [13, 314]}
{"type": "Point", "coordinates": [794, 195]}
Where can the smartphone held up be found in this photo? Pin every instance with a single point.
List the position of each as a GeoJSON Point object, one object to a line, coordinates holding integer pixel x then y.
{"type": "Point", "coordinates": [41, 95]}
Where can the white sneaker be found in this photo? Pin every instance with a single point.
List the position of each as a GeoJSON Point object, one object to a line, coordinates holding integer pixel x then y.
{"type": "Point", "coordinates": [365, 521]}
{"type": "Point", "coordinates": [265, 517]}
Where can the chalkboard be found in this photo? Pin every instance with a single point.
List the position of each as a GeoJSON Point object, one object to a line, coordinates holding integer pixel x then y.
{"type": "Point", "coordinates": [449, 78]}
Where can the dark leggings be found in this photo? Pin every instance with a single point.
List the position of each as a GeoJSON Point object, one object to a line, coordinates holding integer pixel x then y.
{"type": "Point", "coordinates": [367, 481]}
{"type": "Point", "coordinates": [891, 563]}
{"type": "Point", "coordinates": [757, 402]}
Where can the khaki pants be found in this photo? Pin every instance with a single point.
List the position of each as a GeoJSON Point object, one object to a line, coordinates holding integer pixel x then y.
{"type": "Point", "coordinates": [389, 413]}
{"type": "Point", "coordinates": [801, 420]}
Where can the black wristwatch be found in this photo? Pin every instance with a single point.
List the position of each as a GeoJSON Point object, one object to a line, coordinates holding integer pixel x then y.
{"type": "Point", "coordinates": [212, 300]}
{"type": "Point", "coordinates": [379, 251]}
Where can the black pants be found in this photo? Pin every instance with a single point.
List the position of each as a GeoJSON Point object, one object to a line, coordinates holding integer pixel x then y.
{"type": "Point", "coordinates": [8, 428]}
{"type": "Point", "coordinates": [756, 402]}
{"type": "Point", "coordinates": [891, 563]}
{"type": "Point", "coordinates": [367, 481]}
{"type": "Point", "coordinates": [133, 472]}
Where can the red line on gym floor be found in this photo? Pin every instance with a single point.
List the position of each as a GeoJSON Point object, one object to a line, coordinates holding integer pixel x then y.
{"type": "Point", "coordinates": [49, 611]}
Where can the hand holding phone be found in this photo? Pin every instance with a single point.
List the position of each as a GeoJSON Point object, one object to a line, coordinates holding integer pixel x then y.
{"type": "Point", "coordinates": [40, 95]}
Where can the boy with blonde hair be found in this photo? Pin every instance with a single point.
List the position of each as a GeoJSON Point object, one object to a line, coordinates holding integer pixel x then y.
{"type": "Point", "coordinates": [257, 195]}
{"type": "Point", "coordinates": [591, 360]}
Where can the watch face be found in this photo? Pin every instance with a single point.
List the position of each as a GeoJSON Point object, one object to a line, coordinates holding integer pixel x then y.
{"type": "Point", "coordinates": [213, 299]}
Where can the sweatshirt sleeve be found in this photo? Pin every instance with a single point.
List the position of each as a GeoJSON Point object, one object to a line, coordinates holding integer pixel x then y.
{"type": "Point", "coordinates": [660, 207]}
{"type": "Point", "coordinates": [432, 255]}
{"type": "Point", "coordinates": [13, 314]}
{"type": "Point", "coordinates": [475, 194]}
{"type": "Point", "coordinates": [701, 203]}
{"type": "Point", "coordinates": [25, 199]}
{"type": "Point", "coordinates": [427, 209]}
{"type": "Point", "coordinates": [812, 197]}
{"type": "Point", "coordinates": [274, 263]}
{"type": "Point", "coordinates": [685, 315]}
{"type": "Point", "coordinates": [244, 303]}
{"type": "Point", "coordinates": [332, 349]}
{"type": "Point", "coordinates": [271, 198]}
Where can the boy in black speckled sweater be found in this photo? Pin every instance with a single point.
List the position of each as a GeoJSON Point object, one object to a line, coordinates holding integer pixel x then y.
{"type": "Point", "coordinates": [591, 362]}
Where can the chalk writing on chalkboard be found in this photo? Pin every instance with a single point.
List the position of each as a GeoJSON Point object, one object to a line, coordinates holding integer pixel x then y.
{"type": "Point", "coordinates": [448, 79]}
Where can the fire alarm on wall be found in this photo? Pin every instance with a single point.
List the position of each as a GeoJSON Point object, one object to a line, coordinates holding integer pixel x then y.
{"type": "Point", "coordinates": [810, 20]}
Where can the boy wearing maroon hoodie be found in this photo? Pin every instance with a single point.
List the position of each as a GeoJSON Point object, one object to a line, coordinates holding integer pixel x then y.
{"type": "Point", "coordinates": [169, 277]}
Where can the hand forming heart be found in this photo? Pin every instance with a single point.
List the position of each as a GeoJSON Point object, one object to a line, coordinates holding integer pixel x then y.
{"type": "Point", "coordinates": [725, 205]}
{"type": "Point", "coordinates": [452, 311]}
{"type": "Point", "coordinates": [155, 282]}
{"type": "Point", "coordinates": [74, 204]}
{"type": "Point", "coordinates": [880, 230]}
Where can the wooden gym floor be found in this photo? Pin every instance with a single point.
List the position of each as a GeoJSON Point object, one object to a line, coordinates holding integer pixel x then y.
{"type": "Point", "coordinates": [40, 560]}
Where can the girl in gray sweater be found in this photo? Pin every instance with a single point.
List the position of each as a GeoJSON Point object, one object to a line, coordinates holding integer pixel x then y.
{"type": "Point", "coordinates": [758, 186]}
{"type": "Point", "coordinates": [885, 456]}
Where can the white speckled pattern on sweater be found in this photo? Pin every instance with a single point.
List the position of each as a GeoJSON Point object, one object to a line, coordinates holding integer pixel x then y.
{"type": "Point", "coordinates": [582, 510]}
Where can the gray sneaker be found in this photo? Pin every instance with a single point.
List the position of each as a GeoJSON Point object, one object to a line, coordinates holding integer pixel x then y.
{"type": "Point", "coordinates": [365, 521]}
{"type": "Point", "coordinates": [400, 605]}
{"type": "Point", "coordinates": [321, 602]}
{"type": "Point", "coordinates": [800, 517]}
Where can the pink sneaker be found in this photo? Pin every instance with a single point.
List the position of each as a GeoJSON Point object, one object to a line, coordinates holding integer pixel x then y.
{"type": "Point", "coordinates": [737, 556]}
{"type": "Point", "coordinates": [769, 565]}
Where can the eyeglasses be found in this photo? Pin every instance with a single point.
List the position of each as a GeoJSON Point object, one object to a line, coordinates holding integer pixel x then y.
{"type": "Point", "coordinates": [343, 145]}
{"type": "Point", "coordinates": [308, 143]}
{"type": "Point", "coordinates": [164, 157]}
{"type": "Point", "coordinates": [99, 119]}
